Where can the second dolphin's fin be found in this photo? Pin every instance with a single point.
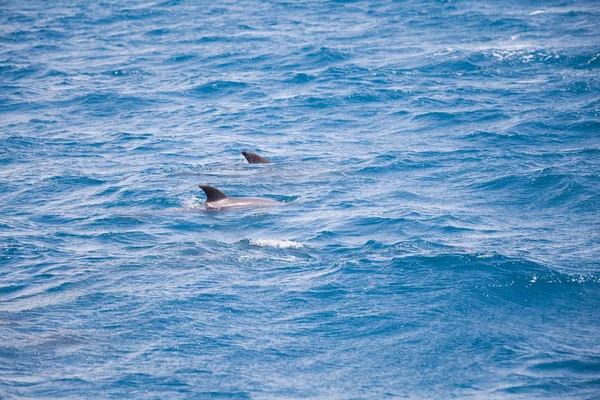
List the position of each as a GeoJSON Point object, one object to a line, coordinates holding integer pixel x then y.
{"type": "Point", "coordinates": [254, 158]}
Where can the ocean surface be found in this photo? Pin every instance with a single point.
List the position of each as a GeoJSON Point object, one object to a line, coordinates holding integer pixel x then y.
{"type": "Point", "coordinates": [440, 165]}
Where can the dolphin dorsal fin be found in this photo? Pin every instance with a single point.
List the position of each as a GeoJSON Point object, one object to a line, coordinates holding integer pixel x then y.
{"type": "Point", "coordinates": [212, 193]}
{"type": "Point", "coordinates": [254, 158]}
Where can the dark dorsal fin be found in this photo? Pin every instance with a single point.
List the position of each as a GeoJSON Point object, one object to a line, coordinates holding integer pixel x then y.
{"type": "Point", "coordinates": [254, 158]}
{"type": "Point", "coordinates": [212, 193]}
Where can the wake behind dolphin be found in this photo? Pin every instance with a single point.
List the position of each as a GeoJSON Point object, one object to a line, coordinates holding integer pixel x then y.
{"type": "Point", "coordinates": [217, 200]}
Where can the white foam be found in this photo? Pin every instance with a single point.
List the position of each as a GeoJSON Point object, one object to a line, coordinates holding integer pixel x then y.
{"type": "Point", "coordinates": [282, 244]}
{"type": "Point", "coordinates": [192, 203]}
{"type": "Point", "coordinates": [536, 12]}
{"type": "Point", "coordinates": [593, 58]}
{"type": "Point", "coordinates": [484, 256]}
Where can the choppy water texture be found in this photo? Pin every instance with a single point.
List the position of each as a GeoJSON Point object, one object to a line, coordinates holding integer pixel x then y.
{"type": "Point", "coordinates": [441, 164]}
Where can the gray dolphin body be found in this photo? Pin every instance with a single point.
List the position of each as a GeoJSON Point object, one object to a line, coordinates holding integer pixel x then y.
{"type": "Point", "coordinates": [217, 200]}
{"type": "Point", "coordinates": [254, 158]}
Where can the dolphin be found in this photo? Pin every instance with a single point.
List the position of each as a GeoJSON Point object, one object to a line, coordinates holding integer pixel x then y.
{"type": "Point", "coordinates": [217, 200]}
{"type": "Point", "coordinates": [254, 158]}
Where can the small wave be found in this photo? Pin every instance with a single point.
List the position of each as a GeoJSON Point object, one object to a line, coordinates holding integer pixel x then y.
{"type": "Point", "coordinates": [127, 136]}
{"type": "Point", "coordinates": [218, 87]}
{"type": "Point", "coordinates": [279, 243]}
{"type": "Point", "coordinates": [325, 55]}
{"type": "Point", "coordinates": [593, 60]}
{"type": "Point", "coordinates": [181, 58]}
{"type": "Point", "coordinates": [301, 78]}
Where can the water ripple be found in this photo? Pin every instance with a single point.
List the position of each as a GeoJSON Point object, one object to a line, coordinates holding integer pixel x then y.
{"type": "Point", "coordinates": [439, 165]}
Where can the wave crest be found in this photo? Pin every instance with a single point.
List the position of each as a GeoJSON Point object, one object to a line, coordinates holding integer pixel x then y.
{"type": "Point", "coordinates": [278, 243]}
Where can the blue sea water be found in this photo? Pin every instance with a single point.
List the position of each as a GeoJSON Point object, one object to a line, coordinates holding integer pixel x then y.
{"type": "Point", "coordinates": [441, 165]}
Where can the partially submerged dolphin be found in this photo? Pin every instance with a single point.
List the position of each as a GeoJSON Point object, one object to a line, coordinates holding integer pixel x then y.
{"type": "Point", "coordinates": [254, 158]}
{"type": "Point", "coordinates": [217, 200]}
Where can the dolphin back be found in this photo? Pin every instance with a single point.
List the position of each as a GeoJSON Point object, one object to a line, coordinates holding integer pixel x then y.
{"type": "Point", "coordinates": [217, 200]}
{"type": "Point", "coordinates": [254, 158]}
